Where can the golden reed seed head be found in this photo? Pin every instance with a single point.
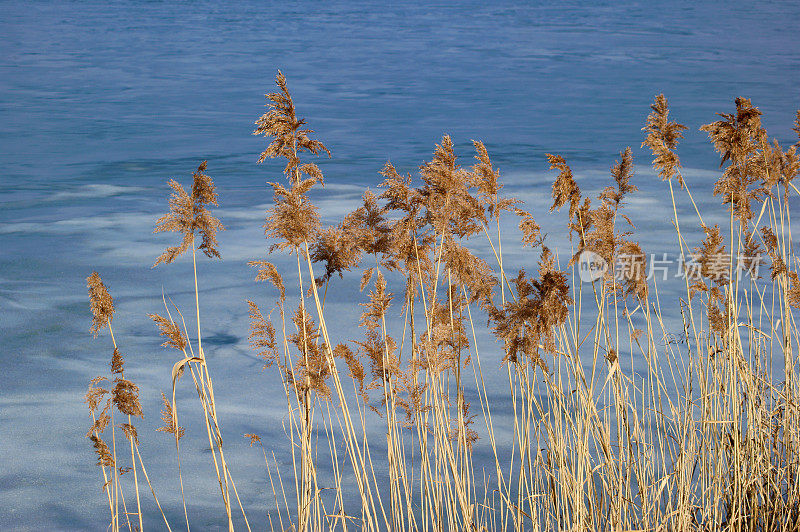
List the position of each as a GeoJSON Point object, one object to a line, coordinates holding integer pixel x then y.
{"type": "Point", "coordinates": [254, 438]}
{"type": "Point", "coordinates": [168, 418]}
{"type": "Point", "coordinates": [293, 220]}
{"type": "Point", "coordinates": [188, 214]}
{"type": "Point", "coordinates": [368, 227]}
{"type": "Point", "coordinates": [379, 301]}
{"type": "Point", "coordinates": [796, 127]}
{"type": "Point", "coordinates": [531, 231]}
{"type": "Point", "coordinates": [289, 139]}
{"type": "Point", "coordinates": [100, 423]}
{"type": "Point", "coordinates": [662, 139]}
{"type": "Point", "coordinates": [130, 432]}
{"type": "Point", "coordinates": [634, 277]}
{"type": "Point", "coordinates": [379, 351]}
{"type": "Point", "coordinates": [738, 134]}
{"type": "Point", "coordinates": [530, 321]}
{"type": "Point", "coordinates": [104, 456]}
{"type": "Point", "coordinates": [487, 180]}
{"type": "Point", "coordinates": [468, 270]}
{"type": "Point", "coordinates": [125, 397]}
{"type": "Point", "coordinates": [311, 369]}
{"type": "Point", "coordinates": [268, 272]}
{"type": "Point", "coordinates": [740, 139]}
{"type": "Point", "coordinates": [622, 172]}
{"type": "Point", "coordinates": [793, 292]}
{"type": "Point", "coordinates": [450, 208]}
{"type": "Point", "coordinates": [780, 168]}
{"type": "Point", "coordinates": [170, 330]}
{"type": "Point", "coordinates": [565, 189]}
{"type": "Point", "coordinates": [354, 365]}
{"type": "Point", "coordinates": [399, 194]}
{"type": "Point", "coordinates": [95, 393]}
{"type": "Point", "coordinates": [262, 336]}
{"type": "Point", "coordinates": [101, 303]}
{"type": "Point", "coordinates": [713, 262]}
{"type": "Point", "coordinates": [337, 249]}
{"type": "Point", "coordinates": [117, 362]}
{"type": "Point", "coordinates": [778, 266]}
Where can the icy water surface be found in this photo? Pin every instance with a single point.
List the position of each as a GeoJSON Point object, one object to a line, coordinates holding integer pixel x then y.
{"type": "Point", "coordinates": [101, 102]}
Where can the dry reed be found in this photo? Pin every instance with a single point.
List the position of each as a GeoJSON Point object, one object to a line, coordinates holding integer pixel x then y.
{"type": "Point", "coordinates": [704, 437]}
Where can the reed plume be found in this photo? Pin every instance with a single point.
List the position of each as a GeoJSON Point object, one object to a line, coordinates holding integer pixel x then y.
{"type": "Point", "coordinates": [101, 304]}
{"type": "Point", "coordinates": [188, 214]}
{"type": "Point", "coordinates": [738, 138]}
{"type": "Point", "coordinates": [662, 139]}
{"type": "Point", "coordinates": [289, 138]}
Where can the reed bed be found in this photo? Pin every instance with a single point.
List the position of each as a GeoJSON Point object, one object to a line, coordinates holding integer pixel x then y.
{"type": "Point", "coordinates": [395, 429]}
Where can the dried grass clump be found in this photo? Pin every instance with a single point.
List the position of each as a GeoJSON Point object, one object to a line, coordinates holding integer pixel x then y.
{"type": "Point", "coordinates": [609, 422]}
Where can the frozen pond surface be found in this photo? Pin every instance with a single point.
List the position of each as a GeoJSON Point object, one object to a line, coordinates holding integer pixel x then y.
{"type": "Point", "coordinates": [101, 102]}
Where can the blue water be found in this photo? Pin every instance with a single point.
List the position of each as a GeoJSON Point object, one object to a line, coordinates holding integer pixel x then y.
{"type": "Point", "coordinates": [101, 102]}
